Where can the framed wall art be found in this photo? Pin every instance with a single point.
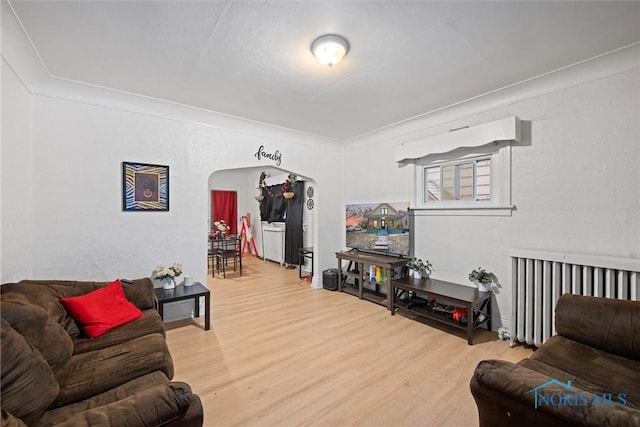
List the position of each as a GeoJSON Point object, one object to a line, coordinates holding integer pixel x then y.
{"type": "Point", "coordinates": [145, 187]}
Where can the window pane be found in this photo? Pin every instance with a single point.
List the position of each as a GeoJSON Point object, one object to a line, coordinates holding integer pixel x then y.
{"type": "Point", "coordinates": [483, 179]}
{"type": "Point", "coordinates": [466, 181]}
{"type": "Point", "coordinates": [432, 184]}
{"type": "Point", "coordinates": [449, 182]}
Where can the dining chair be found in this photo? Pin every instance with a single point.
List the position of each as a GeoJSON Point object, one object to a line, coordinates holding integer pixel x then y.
{"type": "Point", "coordinates": [227, 250]}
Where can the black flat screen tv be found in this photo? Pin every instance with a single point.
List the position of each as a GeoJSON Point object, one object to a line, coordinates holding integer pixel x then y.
{"type": "Point", "coordinates": [378, 227]}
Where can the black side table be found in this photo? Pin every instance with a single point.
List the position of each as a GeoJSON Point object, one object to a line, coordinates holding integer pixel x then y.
{"type": "Point", "coordinates": [182, 292]}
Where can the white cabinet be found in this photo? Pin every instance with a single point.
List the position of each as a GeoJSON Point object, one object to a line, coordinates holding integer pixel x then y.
{"type": "Point", "coordinates": [273, 241]}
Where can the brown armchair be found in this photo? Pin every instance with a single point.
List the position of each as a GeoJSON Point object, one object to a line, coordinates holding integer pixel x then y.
{"type": "Point", "coordinates": [586, 375]}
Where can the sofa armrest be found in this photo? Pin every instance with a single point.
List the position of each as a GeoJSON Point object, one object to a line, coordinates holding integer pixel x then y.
{"type": "Point", "coordinates": [160, 405]}
{"type": "Point", "coordinates": [605, 323]}
{"type": "Point", "coordinates": [141, 293]}
{"type": "Point", "coordinates": [505, 395]}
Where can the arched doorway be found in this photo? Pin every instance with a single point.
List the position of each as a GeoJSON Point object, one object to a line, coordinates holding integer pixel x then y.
{"type": "Point", "coordinates": [244, 181]}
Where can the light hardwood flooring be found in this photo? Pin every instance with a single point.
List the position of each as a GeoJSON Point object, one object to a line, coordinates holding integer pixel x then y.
{"type": "Point", "coordinates": [280, 353]}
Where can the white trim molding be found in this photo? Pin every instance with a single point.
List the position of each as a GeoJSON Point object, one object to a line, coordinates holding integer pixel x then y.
{"type": "Point", "coordinates": [507, 129]}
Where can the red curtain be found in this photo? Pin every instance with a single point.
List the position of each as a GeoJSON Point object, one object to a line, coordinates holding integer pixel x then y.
{"type": "Point", "coordinates": [224, 205]}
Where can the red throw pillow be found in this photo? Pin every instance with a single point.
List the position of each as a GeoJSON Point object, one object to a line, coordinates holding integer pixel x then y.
{"type": "Point", "coordinates": [102, 310]}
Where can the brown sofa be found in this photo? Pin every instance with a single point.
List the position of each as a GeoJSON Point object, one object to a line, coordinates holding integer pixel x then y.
{"type": "Point", "coordinates": [586, 375]}
{"type": "Point", "coordinates": [53, 375]}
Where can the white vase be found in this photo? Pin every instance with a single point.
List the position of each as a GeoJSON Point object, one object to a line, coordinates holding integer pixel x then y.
{"type": "Point", "coordinates": [483, 287]}
{"type": "Point", "coordinates": [169, 283]}
{"type": "Point", "coordinates": [417, 274]}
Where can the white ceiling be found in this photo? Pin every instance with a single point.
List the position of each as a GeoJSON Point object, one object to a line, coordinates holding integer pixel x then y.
{"type": "Point", "coordinates": [252, 59]}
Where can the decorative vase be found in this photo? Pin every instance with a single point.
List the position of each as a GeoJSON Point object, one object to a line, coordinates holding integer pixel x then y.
{"type": "Point", "coordinates": [483, 287]}
{"type": "Point", "coordinates": [288, 194]}
{"type": "Point", "coordinates": [417, 274]}
{"type": "Point", "coordinates": [169, 283]}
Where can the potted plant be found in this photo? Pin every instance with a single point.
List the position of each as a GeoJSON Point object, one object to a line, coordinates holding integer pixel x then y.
{"type": "Point", "coordinates": [419, 268]}
{"type": "Point", "coordinates": [482, 279]}
{"type": "Point", "coordinates": [168, 274]}
{"type": "Point", "coordinates": [289, 186]}
{"type": "Point", "coordinates": [263, 176]}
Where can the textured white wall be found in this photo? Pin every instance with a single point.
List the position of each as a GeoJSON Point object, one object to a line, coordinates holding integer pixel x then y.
{"type": "Point", "coordinates": [79, 229]}
{"type": "Point", "coordinates": [575, 182]}
{"type": "Point", "coordinates": [16, 177]}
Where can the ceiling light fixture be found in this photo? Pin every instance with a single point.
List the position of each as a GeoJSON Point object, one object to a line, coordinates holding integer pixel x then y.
{"type": "Point", "coordinates": [330, 49]}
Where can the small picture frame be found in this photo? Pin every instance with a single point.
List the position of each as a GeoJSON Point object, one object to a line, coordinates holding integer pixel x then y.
{"type": "Point", "coordinates": [145, 187]}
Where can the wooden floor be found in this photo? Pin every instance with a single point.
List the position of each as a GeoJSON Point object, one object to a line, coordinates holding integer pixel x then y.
{"type": "Point", "coordinates": [280, 353]}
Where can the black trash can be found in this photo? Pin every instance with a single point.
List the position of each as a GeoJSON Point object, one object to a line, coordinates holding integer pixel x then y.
{"type": "Point", "coordinates": [330, 279]}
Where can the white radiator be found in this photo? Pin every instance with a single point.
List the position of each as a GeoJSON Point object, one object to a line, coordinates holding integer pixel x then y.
{"type": "Point", "coordinates": [539, 278]}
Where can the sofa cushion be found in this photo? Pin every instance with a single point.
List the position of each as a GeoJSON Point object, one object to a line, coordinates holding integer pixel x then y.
{"type": "Point", "coordinates": [88, 374]}
{"type": "Point", "coordinates": [149, 323]}
{"type": "Point", "coordinates": [136, 385]}
{"type": "Point", "coordinates": [605, 323]}
{"type": "Point", "coordinates": [40, 330]}
{"type": "Point", "coordinates": [48, 298]}
{"type": "Point", "coordinates": [140, 292]}
{"type": "Point", "coordinates": [504, 393]}
{"type": "Point", "coordinates": [156, 406]}
{"type": "Point", "coordinates": [102, 310]}
{"type": "Point", "coordinates": [607, 371]}
{"type": "Point", "coordinates": [28, 385]}
{"type": "Point", "coordinates": [47, 294]}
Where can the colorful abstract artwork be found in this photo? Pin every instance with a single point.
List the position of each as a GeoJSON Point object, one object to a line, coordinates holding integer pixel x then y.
{"type": "Point", "coordinates": [145, 187]}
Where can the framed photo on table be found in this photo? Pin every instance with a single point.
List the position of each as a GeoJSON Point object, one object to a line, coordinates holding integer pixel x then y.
{"type": "Point", "coordinates": [145, 187]}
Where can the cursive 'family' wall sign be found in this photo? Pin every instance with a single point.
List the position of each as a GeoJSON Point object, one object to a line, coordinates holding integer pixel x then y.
{"type": "Point", "coordinates": [275, 156]}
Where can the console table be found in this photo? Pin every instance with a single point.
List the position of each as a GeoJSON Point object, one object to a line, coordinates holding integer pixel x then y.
{"type": "Point", "coordinates": [478, 304]}
{"type": "Point", "coordinates": [361, 259]}
{"type": "Point", "coordinates": [182, 292]}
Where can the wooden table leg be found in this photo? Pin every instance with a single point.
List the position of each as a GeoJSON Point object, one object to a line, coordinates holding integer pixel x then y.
{"type": "Point", "coordinates": [161, 310]}
{"type": "Point", "coordinates": [196, 307]}
{"type": "Point", "coordinates": [391, 298]}
{"type": "Point", "coordinates": [360, 267]}
{"type": "Point", "coordinates": [470, 325]}
{"type": "Point", "coordinates": [207, 311]}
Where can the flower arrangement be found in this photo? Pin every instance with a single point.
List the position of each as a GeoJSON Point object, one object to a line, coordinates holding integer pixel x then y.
{"type": "Point", "coordinates": [418, 265]}
{"type": "Point", "coordinates": [480, 275]}
{"type": "Point", "coordinates": [220, 227]}
{"type": "Point", "coordinates": [168, 272]}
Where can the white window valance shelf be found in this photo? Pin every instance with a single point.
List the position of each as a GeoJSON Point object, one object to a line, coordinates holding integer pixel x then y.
{"type": "Point", "coordinates": [507, 129]}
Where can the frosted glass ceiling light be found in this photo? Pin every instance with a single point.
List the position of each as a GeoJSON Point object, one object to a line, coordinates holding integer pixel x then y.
{"type": "Point", "coordinates": [330, 49]}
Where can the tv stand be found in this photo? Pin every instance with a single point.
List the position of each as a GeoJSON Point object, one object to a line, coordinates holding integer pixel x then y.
{"type": "Point", "coordinates": [478, 304]}
{"type": "Point", "coordinates": [359, 276]}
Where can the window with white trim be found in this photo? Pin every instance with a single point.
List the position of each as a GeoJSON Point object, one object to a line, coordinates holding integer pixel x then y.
{"type": "Point", "coordinates": [476, 180]}
{"type": "Point", "coordinates": [466, 180]}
